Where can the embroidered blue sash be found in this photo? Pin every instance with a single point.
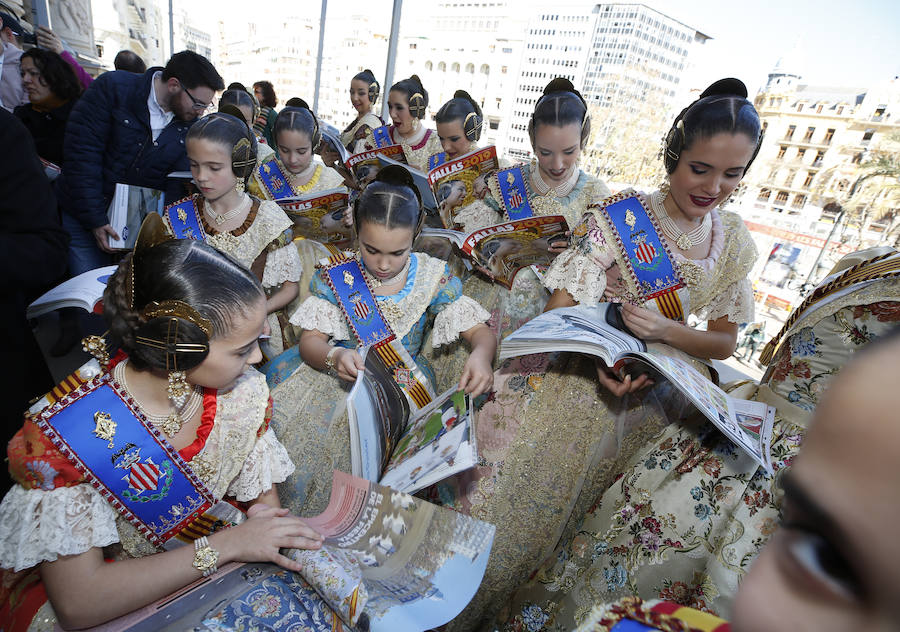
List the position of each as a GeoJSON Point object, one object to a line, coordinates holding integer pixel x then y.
{"type": "Point", "coordinates": [274, 179]}
{"type": "Point", "coordinates": [183, 219]}
{"type": "Point", "coordinates": [356, 301]}
{"type": "Point", "coordinates": [649, 261]}
{"type": "Point", "coordinates": [514, 192]}
{"type": "Point", "coordinates": [436, 160]}
{"type": "Point", "coordinates": [132, 466]}
{"type": "Point", "coordinates": [382, 136]}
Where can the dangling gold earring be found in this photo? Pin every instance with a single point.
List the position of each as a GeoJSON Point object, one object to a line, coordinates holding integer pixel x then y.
{"type": "Point", "coordinates": [96, 346]}
{"type": "Point", "coordinates": [664, 187]}
{"type": "Point", "coordinates": [239, 185]}
{"type": "Point", "coordinates": [178, 388]}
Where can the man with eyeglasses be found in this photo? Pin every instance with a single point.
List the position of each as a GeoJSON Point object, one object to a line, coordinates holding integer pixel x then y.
{"type": "Point", "coordinates": [126, 128]}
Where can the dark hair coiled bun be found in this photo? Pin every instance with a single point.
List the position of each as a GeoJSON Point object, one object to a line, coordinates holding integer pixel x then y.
{"type": "Point", "coordinates": [213, 283]}
{"type": "Point", "coordinates": [721, 108]}
{"type": "Point", "coordinates": [299, 119]}
{"type": "Point", "coordinates": [374, 87]}
{"type": "Point", "coordinates": [416, 95]}
{"type": "Point", "coordinates": [462, 107]}
{"type": "Point", "coordinates": [561, 105]}
{"type": "Point", "coordinates": [391, 200]}
{"type": "Point", "coordinates": [238, 98]}
{"type": "Point", "coordinates": [232, 131]}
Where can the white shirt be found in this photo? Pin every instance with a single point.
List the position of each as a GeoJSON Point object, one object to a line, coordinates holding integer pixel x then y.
{"type": "Point", "coordinates": [159, 118]}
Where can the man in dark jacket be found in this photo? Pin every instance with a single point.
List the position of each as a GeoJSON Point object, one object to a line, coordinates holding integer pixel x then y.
{"type": "Point", "coordinates": [129, 129]}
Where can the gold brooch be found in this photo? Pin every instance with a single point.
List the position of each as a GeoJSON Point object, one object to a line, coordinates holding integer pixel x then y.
{"type": "Point", "coordinates": [348, 278]}
{"type": "Point", "coordinates": [104, 427]}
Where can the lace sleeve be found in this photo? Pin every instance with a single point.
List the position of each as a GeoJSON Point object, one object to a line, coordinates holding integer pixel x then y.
{"type": "Point", "coordinates": [282, 265]}
{"type": "Point", "coordinates": [731, 294]}
{"type": "Point", "coordinates": [268, 463]}
{"type": "Point", "coordinates": [321, 315]}
{"type": "Point", "coordinates": [581, 270]}
{"type": "Point", "coordinates": [476, 215]}
{"type": "Point", "coordinates": [38, 525]}
{"type": "Point", "coordinates": [457, 317]}
{"type": "Point", "coordinates": [735, 303]}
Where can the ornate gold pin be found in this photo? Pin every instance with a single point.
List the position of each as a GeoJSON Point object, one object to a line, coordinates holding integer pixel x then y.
{"type": "Point", "coordinates": [182, 215]}
{"type": "Point", "coordinates": [510, 178]}
{"type": "Point", "coordinates": [105, 427]}
{"type": "Point", "coordinates": [348, 278]}
{"type": "Point", "coordinates": [630, 219]}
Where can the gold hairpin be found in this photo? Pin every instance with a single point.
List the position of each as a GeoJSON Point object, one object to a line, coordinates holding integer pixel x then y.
{"type": "Point", "coordinates": [177, 309]}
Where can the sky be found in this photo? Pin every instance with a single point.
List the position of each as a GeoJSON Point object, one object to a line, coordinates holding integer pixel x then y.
{"type": "Point", "coordinates": [828, 42]}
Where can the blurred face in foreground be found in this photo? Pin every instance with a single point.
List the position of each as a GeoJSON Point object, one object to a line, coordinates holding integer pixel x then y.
{"type": "Point", "coordinates": [835, 563]}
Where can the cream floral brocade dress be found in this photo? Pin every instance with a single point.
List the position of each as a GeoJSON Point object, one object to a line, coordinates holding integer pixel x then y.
{"type": "Point", "coordinates": [262, 240]}
{"type": "Point", "coordinates": [354, 137]}
{"type": "Point", "coordinates": [550, 436]}
{"type": "Point", "coordinates": [688, 513]}
{"type": "Point", "coordinates": [310, 414]}
{"type": "Point", "coordinates": [423, 143]}
{"type": "Point", "coordinates": [53, 511]}
{"type": "Point", "coordinates": [318, 178]}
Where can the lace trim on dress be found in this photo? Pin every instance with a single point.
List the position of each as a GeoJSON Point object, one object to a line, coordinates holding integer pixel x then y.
{"type": "Point", "coordinates": [581, 270]}
{"type": "Point", "coordinates": [237, 232]}
{"type": "Point", "coordinates": [321, 315]}
{"type": "Point", "coordinates": [282, 265]}
{"type": "Point", "coordinates": [475, 216]}
{"type": "Point", "coordinates": [459, 316]}
{"type": "Point", "coordinates": [270, 222]}
{"type": "Point", "coordinates": [429, 272]}
{"type": "Point", "coordinates": [40, 525]}
{"type": "Point", "coordinates": [268, 463]}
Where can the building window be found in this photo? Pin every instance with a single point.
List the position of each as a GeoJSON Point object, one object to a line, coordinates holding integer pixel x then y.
{"type": "Point", "coordinates": [809, 134]}
{"type": "Point", "coordinates": [819, 109]}
{"type": "Point", "coordinates": [820, 155]}
{"type": "Point", "coordinates": [799, 107]}
{"type": "Point", "coordinates": [799, 201]}
{"type": "Point", "coordinates": [781, 152]}
{"type": "Point", "coordinates": [829, 134]}
{"type": "Point", "coordinates": [840, 110]}
{"type": "Point", "coordinates": [781, 197]}
{"type": "Point", "coordinates": [790, 132]}
{"type": "Point", "coordinates": [801, 151]}
{"type": "Point", "coordinates": [867, 136]}
{"type": "Point", "coordinates": [764, 195]}
{"type": "Point", "coordinates": [809, 178]}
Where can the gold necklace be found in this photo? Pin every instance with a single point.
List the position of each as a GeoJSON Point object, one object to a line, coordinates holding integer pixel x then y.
{"type": "Point", "coordinates": [172, 423]}
{"type": "Point", "coordinates": [685, 241]}
{"type": "Point", "coordinates": [221, 218]}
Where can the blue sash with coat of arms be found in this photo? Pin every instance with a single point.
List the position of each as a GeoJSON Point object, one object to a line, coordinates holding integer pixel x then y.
{"type": "Point", "coordinates": [514, 192]}
{"type": "Point", "coordinates": [132, 466]}
{"type": "Point", "coordinates": [648, 260]}
{"type": "Point", "coordinates": [274, 179]}
{"type": "Point", "coordinates": [382, 136]}
{"type": "Point", "coordinates": [357, 302]}
{"type": "Point", "coordinates": [183, 219]}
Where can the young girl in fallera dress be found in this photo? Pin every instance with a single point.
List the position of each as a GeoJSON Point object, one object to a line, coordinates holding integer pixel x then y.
{"type": "Point", "coordinates": [364, 90]}
{"type": "Point", "coordinates": [418, 297]}
{"type": "Point", "coordinates": [407, 105]}
{"type": "Point", "coordinates": [171, 304]}
{"type": "Point", "coordinates": [248, 106]}
{"type": "Point", "coordinates": [222, 153]}
{"type": "Point", "coordinates": [548, 438]}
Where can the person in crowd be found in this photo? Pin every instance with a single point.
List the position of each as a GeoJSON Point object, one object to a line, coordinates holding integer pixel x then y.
{"type": "Point", "coordinates": [248, 107]}
{"type": "Point", "coordinates": [552, 468]}
{"type": "Point", "coordinates": [33, 252]}
{"type": "Point", "coordinates": [364, 90]}
{"type": "Point", "coordinates": [48, 40]}
{"type": "Point", "coordinates": [52, 89]}
{"type": "Point", "coordinates": [264, 92]}
{"type": "Point", "coordinates": [407, 105]}
{"type": "Point", "coordinates": [170, 304]}
{"type": "Point", "coordinates": [12, 94]}
{"type": "Point", "coordinates": [415, 295]}
{"type": "Point", "coordinates": [832, 561]}
{"type": "Point", "coordinates": [129, 61]}
{"type": "Point", "coordinates": [126, 128]}
{"type": "Point", "coordinates": [222, 153]}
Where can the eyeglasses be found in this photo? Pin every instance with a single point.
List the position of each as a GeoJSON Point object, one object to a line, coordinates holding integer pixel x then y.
{"type": "Point", "coordinates": [197, 104]}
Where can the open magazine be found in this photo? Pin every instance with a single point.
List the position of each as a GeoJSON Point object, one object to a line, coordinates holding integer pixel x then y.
{"type": "Point", "coordinates": [320, 216]}
{"type": "Point", "coordinates": [129, 206]}
{"type": "Point", "coordinates": [84, 291]}
{"type": "Point", "coordinates": [593, 330]}
{"type": "Point", "coordinates": [365, 165]}
{"type": "Point", "coordinates": [407, 453]}
{"type": "Point", "coordinates": [506, 248]}
{"type": "Point", "coordinates": [390, 562]}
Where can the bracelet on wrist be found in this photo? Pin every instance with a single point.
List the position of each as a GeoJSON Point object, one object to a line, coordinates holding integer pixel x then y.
{"type": "Point", "coordinates": [206, 558]}
{"type": "Point", "coordinates": [329, 359]}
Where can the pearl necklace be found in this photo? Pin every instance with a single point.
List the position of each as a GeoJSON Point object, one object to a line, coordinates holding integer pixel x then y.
{"type": "Point", "coordinates": [221, 218]}
{"type": "Point", "coordinates": [685, 241]}
{"type": "Point", "coordinates": [376, 282]}
{"type": "Point", "coordinates": [170, 424]}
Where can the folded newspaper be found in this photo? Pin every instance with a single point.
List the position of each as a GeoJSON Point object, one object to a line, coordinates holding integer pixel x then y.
{"type": "Point", "coordinates": [593, 330]}
{"type": "Point", "coordinates": [390, 563]}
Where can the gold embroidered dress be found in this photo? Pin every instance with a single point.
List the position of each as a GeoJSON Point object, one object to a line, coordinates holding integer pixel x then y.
{"type": "Point", "coordinates": [353, 137]}
{"type": "Point", "coordinates": [262, 244]}
{"type": "Point", "coordinates": [549, 436]}
{"type": "Point", "coordinates": [417, 148]}
{"type": "Point", "coordinates": [53, 511]}
{"type": "Point", "coordinates": [688, 513]}
{"type": "Point", "coordinates": [310, 406]}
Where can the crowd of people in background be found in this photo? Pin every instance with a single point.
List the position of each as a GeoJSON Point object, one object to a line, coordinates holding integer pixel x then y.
{"type": "Point", "coordinates": [606, 496]}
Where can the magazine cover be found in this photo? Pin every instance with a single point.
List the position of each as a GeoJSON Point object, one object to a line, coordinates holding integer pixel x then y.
{"type": "Point", "coordinates": [461, 181]}
{"type": "Point", "coordinates": [320, 216]}
{"type": "Point", "coordinates": [365, 165]}
{"type": "Point", "coordinates": [506, 248]}
{"type": "Point", "coordinates": [129, 206]}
